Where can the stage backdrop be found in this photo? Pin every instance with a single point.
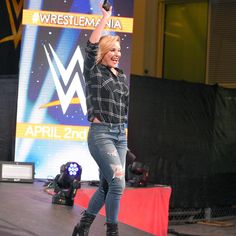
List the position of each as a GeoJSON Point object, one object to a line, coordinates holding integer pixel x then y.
{"type": "Point", "coordinates": [52, 121]}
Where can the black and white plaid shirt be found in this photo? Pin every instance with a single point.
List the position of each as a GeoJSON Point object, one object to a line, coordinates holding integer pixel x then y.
{"type": "Point", "coordinates": [106, 94]}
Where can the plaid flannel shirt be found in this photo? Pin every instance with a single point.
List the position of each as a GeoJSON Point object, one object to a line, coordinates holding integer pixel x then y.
{"type": "Point", "coordinates": [106, 94]}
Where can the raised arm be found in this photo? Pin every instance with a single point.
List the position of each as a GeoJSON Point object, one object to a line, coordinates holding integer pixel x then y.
{"type": "Point", "coordinates": [97, 32]}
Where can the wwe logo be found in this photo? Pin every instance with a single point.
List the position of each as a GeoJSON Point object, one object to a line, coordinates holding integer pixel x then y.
{"type": "Point", "coordinates": [66, 73]}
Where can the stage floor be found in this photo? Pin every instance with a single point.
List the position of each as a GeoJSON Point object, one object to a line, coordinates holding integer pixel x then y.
{"type": "Point", "coordinates": [26, 210]}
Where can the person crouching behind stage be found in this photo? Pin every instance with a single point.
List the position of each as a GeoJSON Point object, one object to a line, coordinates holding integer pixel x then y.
{"type": "Point", "coordinates": [107, 94]}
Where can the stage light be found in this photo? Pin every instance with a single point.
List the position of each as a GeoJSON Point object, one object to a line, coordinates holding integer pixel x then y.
{"type": "Point", "coordinates": [130, 158]}
{"type": "Point", "coordinates": [138, 174]}
{"type": "Point", "coordinates": [66, 184]}
{"type": "Point", "coordinates": [16, 171]}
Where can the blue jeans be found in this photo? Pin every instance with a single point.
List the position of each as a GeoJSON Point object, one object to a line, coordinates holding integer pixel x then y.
{"type": "Point", "coordinates": [108, 146]}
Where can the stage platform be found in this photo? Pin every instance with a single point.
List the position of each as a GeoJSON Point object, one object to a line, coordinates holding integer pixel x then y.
{"type": "Point", "coordinates": [26, 210]}
{"type": "Point", "coordinates": [145, 208]}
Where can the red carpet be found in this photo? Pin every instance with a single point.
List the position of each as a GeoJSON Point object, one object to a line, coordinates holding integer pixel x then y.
{"type": "Point", "coordinates": [146, 209]}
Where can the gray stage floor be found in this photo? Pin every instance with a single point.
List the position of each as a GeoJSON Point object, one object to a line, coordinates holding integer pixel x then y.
{"type": "Point", "coordinates": [204, 230]}
{"type": "Point", "coordinates": [222, 227]}
{"type": "Point", "coordinates": [26, 210]}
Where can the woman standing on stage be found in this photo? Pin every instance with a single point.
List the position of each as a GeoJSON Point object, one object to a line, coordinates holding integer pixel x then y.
{"type": "Point", "coordinates": [107, 103]}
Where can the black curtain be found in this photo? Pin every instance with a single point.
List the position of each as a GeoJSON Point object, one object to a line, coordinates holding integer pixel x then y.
{"type": "Point", "coordinates": [186, 133]}
{"type": "Point", "coordinates": [10, 43]}
{"type": "Point", "coordinates": [8, 103]}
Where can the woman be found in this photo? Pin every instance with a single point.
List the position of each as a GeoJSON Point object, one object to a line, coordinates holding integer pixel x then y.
{"type": "Point", "coordinates": [107, 103]}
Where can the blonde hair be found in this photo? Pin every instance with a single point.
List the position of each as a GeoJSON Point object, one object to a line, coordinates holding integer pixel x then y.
{"type": "Point", "coordinates": [105, 45]}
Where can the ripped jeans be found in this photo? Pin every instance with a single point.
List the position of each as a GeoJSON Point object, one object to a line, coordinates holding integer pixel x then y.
{"type": "Point", "coordinates": [108, 146]}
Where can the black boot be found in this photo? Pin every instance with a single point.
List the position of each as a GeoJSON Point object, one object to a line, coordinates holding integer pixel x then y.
{"type": "Point", "coordinates": [82, 228]}
{"type": "Point", "coordinates": [112, 229]}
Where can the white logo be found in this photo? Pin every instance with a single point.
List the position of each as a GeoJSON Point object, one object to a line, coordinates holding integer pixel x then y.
{"type": "Point", "coordinates": [75, 86]}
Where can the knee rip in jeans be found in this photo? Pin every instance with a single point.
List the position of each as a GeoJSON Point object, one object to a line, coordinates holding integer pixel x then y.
{"type": "Point", "coordinates": [112, 153]}
{"type": "Point", "coordinates": [118, 171]}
